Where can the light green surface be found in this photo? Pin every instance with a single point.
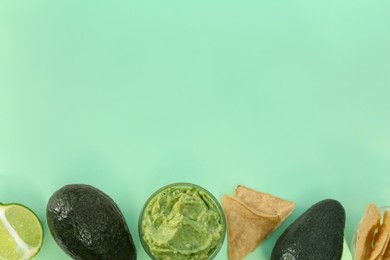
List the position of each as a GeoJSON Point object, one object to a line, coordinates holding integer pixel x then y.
{"type": "Point", "coordinates": [286, 97]}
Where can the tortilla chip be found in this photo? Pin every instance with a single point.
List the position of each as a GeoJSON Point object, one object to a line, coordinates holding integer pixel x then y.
{"type": "Point", "coordinates": [265, 203]}
{"type": "Point", "coordinates": [366, 231]}
{"type": "Point", "coordinates": [382, 238]}
{"type": "Point", "coordinates": [379, 246]}
{"type": "Point", "coordinates": [246, 229]}
{"type": "Point", "coordinates": [251, 217]}
{"type": "Point", "coordinates": [386, 221]}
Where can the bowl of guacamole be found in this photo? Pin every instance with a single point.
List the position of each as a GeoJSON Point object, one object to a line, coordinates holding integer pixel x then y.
{"type": "Point", "coordinates": [182, 221]}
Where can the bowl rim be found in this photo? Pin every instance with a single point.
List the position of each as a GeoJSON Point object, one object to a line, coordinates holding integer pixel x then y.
{"type": "Point", "coordinates": [190, 185]}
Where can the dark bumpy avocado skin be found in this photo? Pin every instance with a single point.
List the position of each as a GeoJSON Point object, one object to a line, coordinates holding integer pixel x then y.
{"type": "Point", "coordinates": [318, 234]}
{"type": "Point", "coordinates": [88, 225]}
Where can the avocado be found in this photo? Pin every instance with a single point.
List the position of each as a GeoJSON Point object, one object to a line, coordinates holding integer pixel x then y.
{"type": "Point", "coordinates": [88, 225]}
{"type": "Point", "coordinates": [318, 234]}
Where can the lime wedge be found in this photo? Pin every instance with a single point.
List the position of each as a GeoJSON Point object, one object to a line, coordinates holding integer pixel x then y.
{"type": "Point", "coordinates": [21, 232]}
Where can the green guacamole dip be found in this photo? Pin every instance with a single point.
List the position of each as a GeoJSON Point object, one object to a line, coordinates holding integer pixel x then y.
{"type": "Point", "coordinates": [182, 222]}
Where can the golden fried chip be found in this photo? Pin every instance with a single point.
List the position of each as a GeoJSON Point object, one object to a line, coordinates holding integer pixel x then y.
{"type": "Point", "coordinates": [246, 228]}
{"type": "Point", "coordinates": [265, 203]}
{"type": "Point", "coordinates": [386, 221]}
{"type": "Point", "coordinates": [382, 238]}
{"type": "Point", "coordinates": [366, 231]}
{"type": "Point", "coordinates": [379, 247]}
{"type": "Point", "coordinates": [251, 217]}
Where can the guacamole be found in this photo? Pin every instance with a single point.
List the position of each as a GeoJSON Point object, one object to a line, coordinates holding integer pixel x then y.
{"type": "Point", "coordinates": [182, 222]}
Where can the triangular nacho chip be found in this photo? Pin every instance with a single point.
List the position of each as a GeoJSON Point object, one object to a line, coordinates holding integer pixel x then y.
{"type": "Point", "coordinates": [381, 239]}
{"type": "Point", "coordinates": [380, 247]}
{"type": "Point", "coordinates": [366, 231]}
{"type": "Point", "coordinates": [386, 221]}
{"type": "Point", "coordinates": [265, 203]}
{"type": "Point", "coordinates": [251, 217]}
{"type": "Point", "coordinates": [246, 229]}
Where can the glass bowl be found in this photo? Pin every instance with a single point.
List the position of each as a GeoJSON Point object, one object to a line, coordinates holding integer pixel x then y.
{"type": "Point", "coordinates": [354, 237]}
{"type": "Point", "coordinates": [177, 218]}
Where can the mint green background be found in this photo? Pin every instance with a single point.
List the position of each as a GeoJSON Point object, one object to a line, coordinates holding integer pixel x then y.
{"type": "Point", "coordinates": [287, 97]}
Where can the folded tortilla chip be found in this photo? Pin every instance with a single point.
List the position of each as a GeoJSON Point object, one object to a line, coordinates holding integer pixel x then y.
{"type": "Point", "coordinates": [379, 247]}
{"type": "Point", "coordinates": [365, 234]}
{"type": "Point", "coordinates": [381, 239]}
{"type": "Point", "coordinates": [386, 221]}
{"type": "Point", "coordinates": [251, 217]}
{"type": "Point", "coordinates": [265, 203]}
